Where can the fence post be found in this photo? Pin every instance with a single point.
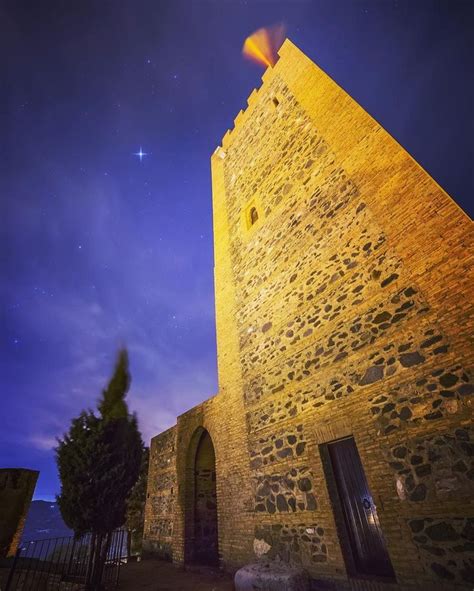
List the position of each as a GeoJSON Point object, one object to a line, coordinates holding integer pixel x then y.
{"type": "Point", "coordinates": [12, 569]}
{"type": "Point", "coordinates": [71, 558]}
{"type": "Point", "coordinates": [119, 557]}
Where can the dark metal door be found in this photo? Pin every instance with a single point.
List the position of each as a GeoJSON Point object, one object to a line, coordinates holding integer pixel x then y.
{"type": "Point", "coordinates": [360, 515]}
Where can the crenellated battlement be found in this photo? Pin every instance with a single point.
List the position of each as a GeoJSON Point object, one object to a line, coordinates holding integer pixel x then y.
{"type": "Point", "coordinates": [284, 56]}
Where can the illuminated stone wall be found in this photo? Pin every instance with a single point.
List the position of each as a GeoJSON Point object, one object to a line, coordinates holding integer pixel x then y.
{"type": "Point", "coordinates": [346, 309]}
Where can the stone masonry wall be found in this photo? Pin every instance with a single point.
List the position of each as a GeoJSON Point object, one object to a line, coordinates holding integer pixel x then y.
{"type": "Point", "coordinates": [17, 486]}
{"type": "Point", "coordinates": [346, 309]}
{"type": "Point", "coordinates": [445, 547]}
{"type": "Point", "coordinates": [161, 495]}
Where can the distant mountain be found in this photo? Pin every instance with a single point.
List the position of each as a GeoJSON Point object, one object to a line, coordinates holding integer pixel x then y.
{"type": "Point", "coordinates": [44, 521]}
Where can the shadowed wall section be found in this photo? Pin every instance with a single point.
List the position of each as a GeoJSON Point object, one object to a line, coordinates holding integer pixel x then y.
{"type": "Point", "coordinates": [17, 486]}
{"type": "Point", "coordinates": [161, 495]}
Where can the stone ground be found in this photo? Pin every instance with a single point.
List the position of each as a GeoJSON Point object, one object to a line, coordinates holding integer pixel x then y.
{"type": "Point", "coordinates": [157, 575]}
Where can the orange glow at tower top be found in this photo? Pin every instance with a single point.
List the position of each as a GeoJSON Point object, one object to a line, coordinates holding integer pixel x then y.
{"type": "Point", "coordinates": [262, 46]}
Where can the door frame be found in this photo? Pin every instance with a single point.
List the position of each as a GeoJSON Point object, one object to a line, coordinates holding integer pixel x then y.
{"type": "Point", "coordinates": [190, 496]}
{"type": "Point", "coordinates": [344, 537]}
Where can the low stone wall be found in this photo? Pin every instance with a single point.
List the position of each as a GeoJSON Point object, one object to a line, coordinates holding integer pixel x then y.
{"type": "Point", "coordinates": [17, 486]}
{"type": "Point", "coordinates": [161, 496]}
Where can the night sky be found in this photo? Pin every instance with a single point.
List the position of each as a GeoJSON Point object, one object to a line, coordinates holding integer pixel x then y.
{"type": "Point", "coordinates": [99, 249]}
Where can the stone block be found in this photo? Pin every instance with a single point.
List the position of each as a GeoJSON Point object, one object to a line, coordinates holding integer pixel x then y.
{"type": "Point", "coordinates": [271, 576]}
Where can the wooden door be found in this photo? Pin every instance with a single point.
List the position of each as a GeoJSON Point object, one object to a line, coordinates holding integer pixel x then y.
{"type": "Point", "coordinates": [205, 506]}
{"type": "Point", "coordinates": [360, 515]}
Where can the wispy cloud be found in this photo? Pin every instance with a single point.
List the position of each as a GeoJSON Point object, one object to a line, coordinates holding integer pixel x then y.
{"type": "Point", "coordinates": [43, 443]}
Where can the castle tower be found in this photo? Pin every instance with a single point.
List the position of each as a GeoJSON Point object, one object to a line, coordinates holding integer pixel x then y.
{"type": "Point", "coordinates": [341, 433]}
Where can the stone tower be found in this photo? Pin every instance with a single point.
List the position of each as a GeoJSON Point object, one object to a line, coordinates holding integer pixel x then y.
{"type": "Point", "coordinates": [340, 437]}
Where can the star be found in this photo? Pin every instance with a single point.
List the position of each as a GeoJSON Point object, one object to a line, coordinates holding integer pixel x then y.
{"type": "Point", "coordinates": [140, 154]}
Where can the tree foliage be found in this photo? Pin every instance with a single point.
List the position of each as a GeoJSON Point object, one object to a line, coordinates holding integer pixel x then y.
{"type": "Point", "coordinates": [99, 462]}
{"type": "Point", "coordinates": [136, 505]}
{"type": "Point", "coordinates": [113, 405]}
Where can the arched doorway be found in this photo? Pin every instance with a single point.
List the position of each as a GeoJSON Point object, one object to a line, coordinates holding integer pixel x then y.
{"type": "Point", "coordinates": [205, 549]}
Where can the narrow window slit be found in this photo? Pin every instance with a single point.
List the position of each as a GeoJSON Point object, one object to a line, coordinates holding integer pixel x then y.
{"type": "Point", "coordinates": [253, 216]}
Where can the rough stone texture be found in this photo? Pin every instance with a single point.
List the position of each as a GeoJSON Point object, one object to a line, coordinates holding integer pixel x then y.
{"type": "Point", "coordinates": [439, 466]}
{"type": "Point", "coordinates": [276, 447]}
{"type": "Point", "coordinates": [380, 363]}
{"type": "Point", "coordinates": [17, 486]}
{"type": "Point", "coordinates": [285, 493]}
{"type": "Point", "coordinates": [346, 309]}
{"type": "Point", "coordinates": [160, 502]}
{"type": "Point", "coordinates": [440, 393]}
{"type": "Point", "coordinates": [270, 576]}
{"type": "Point", "coordinates": [302, 544]}
{"type": "Point", "coordinates": [446, 548]}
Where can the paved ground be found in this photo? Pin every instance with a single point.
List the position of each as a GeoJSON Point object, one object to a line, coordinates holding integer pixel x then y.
{"type": "Point", "coordinates": [156, 575]}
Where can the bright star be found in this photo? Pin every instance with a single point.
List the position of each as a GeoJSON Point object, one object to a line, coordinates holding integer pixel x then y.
{"type": "Point", "coordinates": [140, 154]}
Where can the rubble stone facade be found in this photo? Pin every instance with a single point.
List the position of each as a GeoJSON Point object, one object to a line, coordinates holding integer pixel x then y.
{"type": "Point", "coordinates": [344, 310]}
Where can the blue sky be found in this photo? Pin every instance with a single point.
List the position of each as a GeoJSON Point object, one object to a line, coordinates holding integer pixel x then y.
{"type": "Point", "coordinates": [100, 250]}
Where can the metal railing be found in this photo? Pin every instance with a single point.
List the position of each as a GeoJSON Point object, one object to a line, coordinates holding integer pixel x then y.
{"type": "Point", "coordinates": [61, 564]}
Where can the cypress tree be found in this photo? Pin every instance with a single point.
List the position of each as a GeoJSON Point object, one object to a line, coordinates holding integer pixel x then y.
{"type": "Point", "coordinates": [113, 405]}
{"type": "Point", "coordinates": [99, 462]}
{"type": "Point", "coordinates": [136, 506]}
